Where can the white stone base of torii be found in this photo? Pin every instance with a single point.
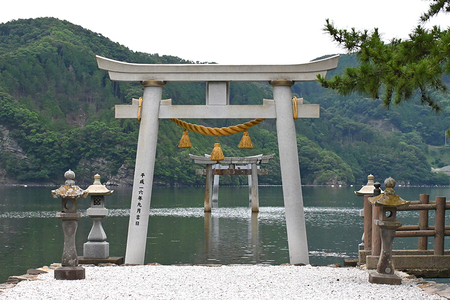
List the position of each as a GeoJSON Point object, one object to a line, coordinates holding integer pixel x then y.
{"type": "Point", "coordinates": [217, 78]}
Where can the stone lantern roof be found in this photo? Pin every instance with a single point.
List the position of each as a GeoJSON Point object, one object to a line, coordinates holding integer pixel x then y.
{"type": "Point", "coordinates": [69, 189]}
{"type": "Point", "coordinates": [97, 188]}
{"type": "Point", "coordinates": [389, 198]}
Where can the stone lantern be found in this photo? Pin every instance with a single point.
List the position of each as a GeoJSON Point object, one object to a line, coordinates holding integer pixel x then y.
{"type": "Point", "coordinates": [387, 223]}
{"type": "Point", "coordinates": [69, 193]}
{"type": "Point", "coordinates": [97, 247]}
{"type": "Point", "coordinates": [368, 188]}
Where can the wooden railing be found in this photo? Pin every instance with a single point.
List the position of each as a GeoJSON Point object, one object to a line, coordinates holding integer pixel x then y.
{"type": "Point", "coordinates": [372, 238]}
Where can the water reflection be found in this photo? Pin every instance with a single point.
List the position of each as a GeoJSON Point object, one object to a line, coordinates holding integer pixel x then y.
{"type": "Point", "coordinates": [236, 235]}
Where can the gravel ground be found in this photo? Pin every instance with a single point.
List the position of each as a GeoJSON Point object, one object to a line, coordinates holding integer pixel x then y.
{"type": "Point", "coordinates": [216, 282]}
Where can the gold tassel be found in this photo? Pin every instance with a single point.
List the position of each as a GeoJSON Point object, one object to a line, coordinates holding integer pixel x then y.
{"type": "Point", "coordinates": [295, 107]}
{"type": "Point", "coordinates": [217, 153]}
{"type": "Point", "coordinates": [139, 110]}
{"type": "Point", "coordinates": [246, 141]}
{"type": "Point", "coordinates": [185, 142]}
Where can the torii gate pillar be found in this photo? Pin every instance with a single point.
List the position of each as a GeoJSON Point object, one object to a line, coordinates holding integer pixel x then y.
{"type": "Point", "coordinates": [290, 173]}
{"type": "Point", "coordinates": [143, 173]}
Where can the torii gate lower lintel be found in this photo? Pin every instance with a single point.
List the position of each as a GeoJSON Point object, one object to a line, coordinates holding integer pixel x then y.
{"type": "Point", "coordinates": [153, 78]}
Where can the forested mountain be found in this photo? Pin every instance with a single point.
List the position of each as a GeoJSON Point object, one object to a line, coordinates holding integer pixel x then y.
{"type": "Point", "coordinates": [57, 112]}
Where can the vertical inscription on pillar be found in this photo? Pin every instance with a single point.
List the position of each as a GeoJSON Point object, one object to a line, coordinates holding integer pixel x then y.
{"type": "Point", "coordinates": [139, 198]}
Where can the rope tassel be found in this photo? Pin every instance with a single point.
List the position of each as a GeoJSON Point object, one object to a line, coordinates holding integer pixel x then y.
{"type": "Point", "coordinates": [217, 153]}
{"type": "Point", "coordinates": [246, 141]}
{"type": "Point", "coordinates": [185, 142]}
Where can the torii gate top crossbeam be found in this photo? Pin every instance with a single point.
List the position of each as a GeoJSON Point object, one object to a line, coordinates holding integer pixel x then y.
{"type": "Point", "coordinates": [131, 72]}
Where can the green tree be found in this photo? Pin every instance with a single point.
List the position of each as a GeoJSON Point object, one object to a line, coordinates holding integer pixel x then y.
{"type": "Point", "coordinates": [397, 70]}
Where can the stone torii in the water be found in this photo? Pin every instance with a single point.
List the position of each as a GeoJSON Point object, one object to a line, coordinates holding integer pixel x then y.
{"type": "Point", "coordinates": [217, 77]}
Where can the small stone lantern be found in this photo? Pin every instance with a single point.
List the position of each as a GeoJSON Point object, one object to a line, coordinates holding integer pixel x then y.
{"type": "Point", "coordinates": [97, 247]}
{"type": "Point", "coordinates": [69, 193]}
{"type": "Point", "coordinates": [368, 188]}
{"type": "Point", "coordinates": [388, 202]}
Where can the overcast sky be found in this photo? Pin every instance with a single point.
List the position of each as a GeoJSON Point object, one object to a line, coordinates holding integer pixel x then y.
{"type": "Point", "coordinates": [232, 31]}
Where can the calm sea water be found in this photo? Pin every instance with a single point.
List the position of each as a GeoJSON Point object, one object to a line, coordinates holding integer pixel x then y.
{"type": "Point", "coordinates": [180, 233]}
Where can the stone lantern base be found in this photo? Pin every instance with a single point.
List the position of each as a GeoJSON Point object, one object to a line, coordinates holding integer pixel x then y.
{"type": "Point", "coordinates": [375, 277]}
{"type": "Point", "coordinates": [69, 273]}
{"type": "Point", "coordinates": [96, 250]}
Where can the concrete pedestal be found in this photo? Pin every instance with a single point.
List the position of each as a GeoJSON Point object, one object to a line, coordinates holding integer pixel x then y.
{"type": "Point", "coordinates": [117, 260]}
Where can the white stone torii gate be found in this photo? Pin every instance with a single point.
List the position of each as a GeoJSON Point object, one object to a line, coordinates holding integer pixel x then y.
{"type": "Point", "coordinates": [154, 76]}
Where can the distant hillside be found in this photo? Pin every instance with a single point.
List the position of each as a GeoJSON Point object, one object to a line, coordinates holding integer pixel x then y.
{"type": "Point", "coordinates": [57, 113]}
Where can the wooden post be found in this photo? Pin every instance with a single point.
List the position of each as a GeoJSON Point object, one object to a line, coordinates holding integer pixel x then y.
{"type": "Point", "coordinates": [367, 223]}
{"type": "Point", "coordinates": [215, 189]}
{"type": "Point", "coordinates": [254, 238]}
{"type": "Point", "coordinates": [255, 192]}
{"type": "Point", "coordinates": [439, 226]}
{"type": "Point", "coordinates": [208, 229]}
{"type": "Point", "coordinates": [208, 188]}
{"type": "Point", "coordinates": [423, 222]}
{"type": "Point", "coordinates": [376, 235]}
